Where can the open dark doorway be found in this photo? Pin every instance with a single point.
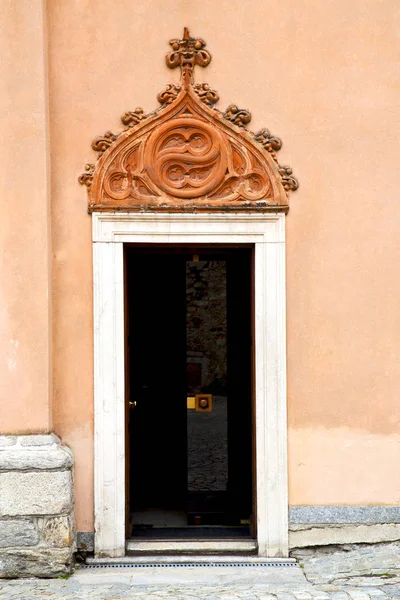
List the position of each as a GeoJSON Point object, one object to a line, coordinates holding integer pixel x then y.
{"type": "Point", "coordinates": [189, 392]}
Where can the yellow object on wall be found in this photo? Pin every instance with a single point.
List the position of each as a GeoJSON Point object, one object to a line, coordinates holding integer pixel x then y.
{"type": "Point", "coordinates": [191, 402]}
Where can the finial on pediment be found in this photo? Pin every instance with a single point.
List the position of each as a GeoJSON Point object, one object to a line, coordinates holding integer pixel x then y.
{"type": "Point", "coordinates": [186, 53]}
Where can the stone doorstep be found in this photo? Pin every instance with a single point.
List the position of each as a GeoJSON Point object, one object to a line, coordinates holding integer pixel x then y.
{"type": "Point", "coordinates": [192, 546]}
{"type": "Point", "coordinates": [273, 577]}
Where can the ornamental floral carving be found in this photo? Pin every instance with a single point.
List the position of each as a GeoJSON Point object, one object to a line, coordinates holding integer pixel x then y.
{"type": "Point", "coordinates": [100, 144]}
{"type": "Point", "coordinates": [132, 118]}
{"type": "Point", "coordinates": [169, 94]}
{"type": "Point", "coordinates": [188, 155]}
{"type": "Point", "coordinates": [206, 94]}
{"type": "Point", "coordinates": [87, 177]}
{"type": "Point", "coordinates": [289, 182]}
{"type": "Point", "coordinates": [270, 142]}
{"type": "Point", "coordinates": [238, 116]}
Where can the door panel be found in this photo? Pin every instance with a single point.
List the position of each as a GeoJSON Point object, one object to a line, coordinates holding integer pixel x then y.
{"type": "Point", "coordinates": [239, 384]}
{"type": "Point", "coordinates": [157, 353]}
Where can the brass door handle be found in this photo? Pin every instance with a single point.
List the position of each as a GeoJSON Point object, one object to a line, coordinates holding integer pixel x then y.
{"type": "Point", "coordinates": [134, 403]}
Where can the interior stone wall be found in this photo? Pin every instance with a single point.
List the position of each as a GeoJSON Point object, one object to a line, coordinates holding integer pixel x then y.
{"type": "Point", "coordinates": [206, 322]}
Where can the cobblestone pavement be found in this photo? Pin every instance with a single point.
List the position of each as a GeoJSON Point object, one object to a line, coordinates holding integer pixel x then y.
{"type": "Point", "coordinates": [115, 586]}
{"type": "Point", "coordinates": [208, 448]}
{"type": "Point", "coordinates": [71, 590]}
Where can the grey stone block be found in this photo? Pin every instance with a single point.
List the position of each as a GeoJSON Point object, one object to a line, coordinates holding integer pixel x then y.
{"type": "Point", "coordinates": [35, 493]}
{"type": "Point", "coordinates": [7, 440]}
{"type": "Point", "coordinates": [18, 532]}
{"type": "Point", "coordinates": [344, 514]}
{"type": "Point", "coordinates": [35, 562]}
{"type": "Point", "coordinates": [39, 440]}
{"type": "Point", "coordinates": [18, 458]}
{"type": "Point", "coordinates": [85, 540]}
{"type": "Point", "coordinates": [57, 532]}
{"type": "Point", "coordinates": [36, 506]}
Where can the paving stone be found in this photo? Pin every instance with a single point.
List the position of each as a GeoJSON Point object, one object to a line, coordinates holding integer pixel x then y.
{"type": "Point", "coordinates": [121, 584]}
{"type": "Point", "coordinates": [358, 595]}
{"type": "Point", "coordinates": [31, 591]}
{"type": "Point", "coordinates": [340, 596]}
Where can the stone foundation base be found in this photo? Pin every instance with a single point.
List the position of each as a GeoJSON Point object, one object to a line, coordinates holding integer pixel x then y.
{"type": "Point", "coordinates": [301, 536]}
{"type": "Point", "coordinates": [36, 506]}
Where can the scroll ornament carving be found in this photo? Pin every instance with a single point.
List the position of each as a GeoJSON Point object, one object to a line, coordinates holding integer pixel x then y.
{"type": "Point", "coordinates": [289, 181]}
{"type": "Point", "coordinates": [270, 142]}
{"type": "Point", "coordinates": [169, 94]}
{"type": "Point", "coordinates": [87, 177]}
{"type": "Point", "coordinates": [203, 90]}
{"type": "Point", "coordinates": [187, 155]}
{"type": "Point", "coordinates": [206, 94]}
{"type": "Point", "coordinates": [132, 118]}
{"type": "Point", "coordinates": [238, 116]}
{"type": "Point", "coordinates": [100, 144]}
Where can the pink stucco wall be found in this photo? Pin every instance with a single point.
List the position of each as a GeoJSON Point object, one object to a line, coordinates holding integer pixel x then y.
{"type": "Point", "coordinates": [324, 76]}
{"type": "Point", "coordinates": [25, 248]}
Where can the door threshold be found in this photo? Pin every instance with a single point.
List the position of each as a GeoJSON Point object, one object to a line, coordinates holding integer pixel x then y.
{"type": "Point", "coordinates": [191, 546]}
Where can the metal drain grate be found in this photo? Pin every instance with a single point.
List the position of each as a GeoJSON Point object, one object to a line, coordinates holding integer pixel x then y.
{"type": "Point", "coordinates": [188, 564]}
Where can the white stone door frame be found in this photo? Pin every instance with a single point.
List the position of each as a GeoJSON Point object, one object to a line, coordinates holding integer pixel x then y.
{"type": "Point", "coordinates": [267, 232]}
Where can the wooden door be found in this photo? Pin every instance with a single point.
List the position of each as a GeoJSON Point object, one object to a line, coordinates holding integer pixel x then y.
{"type": "Point", "coordinates": [157, 381]}
{"type": "Point", "coordinates": [239, 333]}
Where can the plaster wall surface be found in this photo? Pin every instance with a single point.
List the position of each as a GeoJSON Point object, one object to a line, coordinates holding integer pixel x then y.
{"type": "Point", "coordinates": [324, 76]}
{"type": "Point", "coordinates": [25, 317]}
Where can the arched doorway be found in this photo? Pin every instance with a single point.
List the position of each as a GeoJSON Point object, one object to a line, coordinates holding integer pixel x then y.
{"type": "Point", "coordinates": [189, 176]}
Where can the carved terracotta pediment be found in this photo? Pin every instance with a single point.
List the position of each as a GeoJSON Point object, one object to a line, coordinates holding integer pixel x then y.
{"type": "Point", "coordinates": [188, 155]}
